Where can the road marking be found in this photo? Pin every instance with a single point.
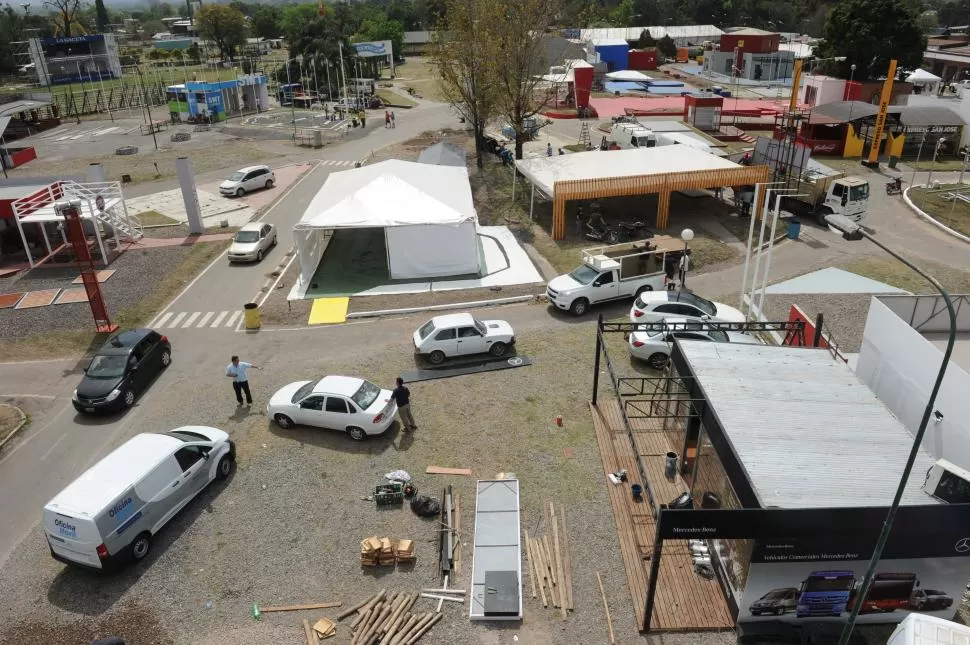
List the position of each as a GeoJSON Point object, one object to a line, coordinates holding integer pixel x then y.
{"type": "Point", "coordinates": [163, 320]}
{"type": "Point", "coordinates": [78, 136]}
{"type": "Point", "coordinates": [190, 320]}
{"type": "Point", "coordinates": [275, 282]}
{"type": "Point", "coordinates": [51, 449]}
{"type": "Point", "coordinates": [205, 319]}
{"type": "Point", "coordinates": [27, 396]}
{"type": "Point", "coordinates": [232, 319]}
{"type": "Point", "coordinates": [222, 314]}
{"type": "Point", "coordinates": [178, 319]}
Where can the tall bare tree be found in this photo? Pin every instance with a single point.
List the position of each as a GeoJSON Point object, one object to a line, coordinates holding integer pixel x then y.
{"type": "Point", "coordinates": [521, 61]}
{"type": "Point", "coordinates": [66, 20]}
{"type": "Point", "coordinates": [465, 55]}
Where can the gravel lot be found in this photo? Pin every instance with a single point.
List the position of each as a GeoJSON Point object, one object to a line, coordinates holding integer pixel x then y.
{"type": "Point", "coordinates": [286, 527]}
{"type": "Point", "coordinates": [844, 315]}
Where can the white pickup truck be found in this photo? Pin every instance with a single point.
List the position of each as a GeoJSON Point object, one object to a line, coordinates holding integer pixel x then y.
{"type": "Point", "coordinates": [613, 273]}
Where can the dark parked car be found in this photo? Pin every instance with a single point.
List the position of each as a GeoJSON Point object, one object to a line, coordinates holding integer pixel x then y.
{"type": "Point", "coordinates": [121, 370]}
{"type": "Point", "coordinates": [776, 601]}
{"type": "Point", "coordinates": [929, 600]}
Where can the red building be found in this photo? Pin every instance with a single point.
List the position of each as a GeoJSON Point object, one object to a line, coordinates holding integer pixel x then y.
{"type": "Point", "coordinates": [751, 41]}
{"type": "Point", "coordinates": [642, 59]}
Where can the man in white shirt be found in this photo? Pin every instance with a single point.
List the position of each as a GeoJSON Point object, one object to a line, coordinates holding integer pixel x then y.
{"type": "Point", "coordinates": [236, 370]}
{"type": "Point", "coordinates": [684, 266]}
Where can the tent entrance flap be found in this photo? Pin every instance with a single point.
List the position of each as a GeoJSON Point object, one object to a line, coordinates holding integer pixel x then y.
{"type": "Point", "coordinates": [432, 251]}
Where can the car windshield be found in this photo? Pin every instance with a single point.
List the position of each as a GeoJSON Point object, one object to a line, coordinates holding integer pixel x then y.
{"type": "Point", "coordinates": [426, 329]}
{"type": "Point", "coordinates": [704, 305]}
{"type": "Point", "coordinates": [246, 237]}
{"type": "Point", "coordinates": [366, 395]}
{"type": "Point", "coordinates": [858, 193]}
{"type": "Point", "coordinates": [107, 366]}
{"type": "Point", "coordinates": [777, 594]}
{"type": "Point", "coordinates": [237, 176]}
{"type": "Point", "coordinates": [584, 274]}
{"type": "Point", "coordinates": [304, 391]}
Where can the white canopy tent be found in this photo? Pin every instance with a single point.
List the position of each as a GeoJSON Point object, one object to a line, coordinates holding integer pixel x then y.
{"type": "Point", "coordinates": [924, 79]}
{"type": "Point", "coordinates": [629, 75]}
{"type": "Point", "coordinates": [427, 213]}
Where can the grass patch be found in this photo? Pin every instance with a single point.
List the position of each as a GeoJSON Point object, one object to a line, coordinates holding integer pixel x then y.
{"type": "Point", "coordinates": [393, 99]}
{"type": "Point", "coordinates": [420, 73]}
{"type": "Point", "coordinates": [955, 213]}
{"type": "Point", "coordinates": [898, 275]}
{"type": "Point", "coordinates": [74, 343]}
{"type": "Point", "coordinates": [154, 218]}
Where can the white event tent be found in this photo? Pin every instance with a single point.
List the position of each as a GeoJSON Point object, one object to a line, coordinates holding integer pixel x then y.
{"type": "Point", "coordinates": [427, 213]}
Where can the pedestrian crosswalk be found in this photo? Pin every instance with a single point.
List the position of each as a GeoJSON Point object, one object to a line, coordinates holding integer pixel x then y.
{"type": "Point", "coordinates": [198, 320]}
{"type": "Point", "coordinates": [66, 134]}
{"type": "Point", "coordinates": [335, 162]}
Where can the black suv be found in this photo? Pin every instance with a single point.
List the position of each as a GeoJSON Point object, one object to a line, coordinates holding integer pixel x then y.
{"type": "Point", "coordinates": [122, 369]}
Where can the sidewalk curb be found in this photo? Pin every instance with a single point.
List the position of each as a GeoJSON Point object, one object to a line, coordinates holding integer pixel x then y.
{"type": "Point", "coordinates": [455, 305]}
{"type": "Point", "coordinates": [921, 214]}
{"type": "Point", "coordinates": [17, 428]}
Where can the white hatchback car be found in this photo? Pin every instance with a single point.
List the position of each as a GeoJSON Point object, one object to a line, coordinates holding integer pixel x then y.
{"type": "Point", "coordinates": [653, 306]}
{"type": "Point", "coordinates": [654, 346]}
{"type": "Point", "coordinates": [345, 403]}
{"type": "Point", "coordinates": [252, 241]}
{"type": "Point", "coordinates": [248, 179]}
{"type": "Point", "coordinates": [462, 335]}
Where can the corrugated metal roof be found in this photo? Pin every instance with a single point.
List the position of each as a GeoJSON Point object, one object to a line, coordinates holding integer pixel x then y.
{"type": "Point", "coordinates": [808, 432]}
{"type": "Point", "coordinates": [689, 32]}
{"type": "Point", "coordinates": [841, 110]}
{"type": "Point", "coordinates": [918, 115]}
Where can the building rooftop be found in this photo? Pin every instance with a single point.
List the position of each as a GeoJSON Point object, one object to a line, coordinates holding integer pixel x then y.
{"type": "Point", "coordinates": [751, 31]}
{"type": "Point", "coordinates": [805, 430]}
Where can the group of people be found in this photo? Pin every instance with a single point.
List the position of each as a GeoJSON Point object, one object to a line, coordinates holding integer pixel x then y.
{"type": "Point", "coordinates": [236, 370]}
{"type": "Point", "coordinates": [390, 121]}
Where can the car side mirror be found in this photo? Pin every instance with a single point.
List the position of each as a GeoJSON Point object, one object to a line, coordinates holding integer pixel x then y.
{"type": "Point", "coordinates": [205, 455]}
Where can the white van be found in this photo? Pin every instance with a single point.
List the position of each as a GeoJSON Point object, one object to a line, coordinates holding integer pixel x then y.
{"type": "Point", "coordinates": [109, 514]}
{"type": "Point", "coordinates": [920, 629]}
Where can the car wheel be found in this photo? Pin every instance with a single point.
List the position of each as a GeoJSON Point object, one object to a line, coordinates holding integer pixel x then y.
{"type": "Point", "coordinates": [240, 192]}
{"type": "Point", "coordinates": [779, 611]}
{"type": "Point", "coordinates": [498, 349]}
{"type": "Point", "coordinates": [269, 184]}
{"type": "Point", "coordinates": [224, 467]}
{"type": "Point", "coordinates": [437, 357]}
{"type": "Point", "coordinates": [642, 289]}
{"type": "Point", "coordinates": [579, 306]}
{"type": "Point", "coordinates": [141, 546]}
{"type": "Point", "coordinates": [355, 433]}
{"type": "Point", "coordinates": [658, 361]}
{"type": "Point", "coordinates": [166, 358]}
{"type": "Point", "coordinates": [128, 396]}
{"type": "Point", "coordinates": [821, 214]}
{"type": "Point", "coordinates": [921, 606]}
{"type": "Point", "coordinates": [275, 240]}
{"type": "Point", "coordinates": [259, 255]}
{"type": "Point", "coordinates": [283, 421]}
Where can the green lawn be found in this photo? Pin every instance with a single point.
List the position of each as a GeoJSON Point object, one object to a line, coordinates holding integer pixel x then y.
{"type": "Point", "coordinates": [899, 275]}
{"type": "Point", "coordinates": [954, 213]}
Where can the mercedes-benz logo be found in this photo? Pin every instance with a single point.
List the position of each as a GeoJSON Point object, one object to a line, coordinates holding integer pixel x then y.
{"type": "Point", "coordinates": [516, 361]}
{"type": "Point", "coordinates": [962, 545]}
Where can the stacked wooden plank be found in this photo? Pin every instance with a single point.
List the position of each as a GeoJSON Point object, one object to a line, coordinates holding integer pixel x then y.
{"type": "Point", "coordinates": [550, 561]}
{"type": "Point", "coordinates": [385, 552]}
{"type": "Point", "coordinates": [387, 620]}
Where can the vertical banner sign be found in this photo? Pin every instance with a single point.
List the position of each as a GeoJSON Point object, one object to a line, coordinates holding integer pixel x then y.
{"type": "Point", "coordinates": [887, 92]}
{"type": "Point", "coordinates": [795, 83]}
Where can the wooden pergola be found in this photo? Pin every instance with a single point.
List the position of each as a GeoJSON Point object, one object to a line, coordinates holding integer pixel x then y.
{"type": "Point", "coordinates": [663, 184]}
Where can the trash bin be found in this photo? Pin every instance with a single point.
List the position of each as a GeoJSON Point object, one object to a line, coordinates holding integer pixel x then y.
{"type": "Point", "coordinates": [637, 491]}
{"type": "Point", "coordinates": [670, 466]}
{"type": "Point", "coordinates": [794, 228]}
{"type": "Point", "coordinates": [251, 315]}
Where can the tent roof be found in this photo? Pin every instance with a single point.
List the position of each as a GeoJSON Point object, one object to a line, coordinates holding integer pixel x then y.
{"type": "Point", "coordinates": [628, 75]}
{"type": "Point", "coordinates": [544, 172]}
{"type": "Point", "coordinates": [392, 193]}
{"type": "Point", "coordinates": [444, 154]}
{"type": "Point", "coordinates": [922, 76]}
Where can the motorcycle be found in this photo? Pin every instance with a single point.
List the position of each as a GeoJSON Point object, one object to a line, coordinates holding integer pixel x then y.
{"type": "Point", "coordinates": [894, 187]}
{"type": "Point", "coordinates": [599, 231]}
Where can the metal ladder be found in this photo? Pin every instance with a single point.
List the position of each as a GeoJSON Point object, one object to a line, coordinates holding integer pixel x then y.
{"type": "Point", "coordinates": [584, 139]}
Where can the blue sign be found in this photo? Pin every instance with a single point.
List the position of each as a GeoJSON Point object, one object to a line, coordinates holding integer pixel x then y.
{"type": "Point", "coordinates": [74, 40]}
{"type": "Point", "coordinates": [374, 49]}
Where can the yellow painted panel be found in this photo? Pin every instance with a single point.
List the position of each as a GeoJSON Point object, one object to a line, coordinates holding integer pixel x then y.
{"type": "Point", "coordinates": [896, 145]}
{"type": "Point", "coordinates": [853, 144]}
{"type": "Point", "coordinates": [329, 311]}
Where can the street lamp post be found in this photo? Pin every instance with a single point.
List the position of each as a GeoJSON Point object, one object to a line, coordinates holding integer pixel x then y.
{"type": "Point", "coordinates": [852, 69]}
{"type": "Point", "coordinates": [686, 235]}
{"type": "Point", "coordinates": [919, 153]}
{"type": "Point", "coordinates": [852, 231]}
{"type": "Point", "coordinates": [290, 90]}
{"type": "Point", "coordinates": [929, 176]}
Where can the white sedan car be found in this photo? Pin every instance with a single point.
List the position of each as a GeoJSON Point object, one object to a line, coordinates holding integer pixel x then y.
{"type": "Point", "coordinates": [654, 306]}
{"type": "Point", "coordinates": [462, 335]}
{"type": "Point", "coordinates": [344, 403]}
{"type": "Point", "coordinates": [248, 179]}
{"type": "Point", "coordinates": [654, 346]}
{"type": "Point", "coordinates": [252, 241]}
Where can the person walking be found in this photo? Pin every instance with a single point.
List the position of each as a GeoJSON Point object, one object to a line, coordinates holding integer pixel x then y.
{"type": "Point", "coordinates": [236, 370]}
{"type": "Point", "coordinates": [548, 149]}
{"type": "Point", "coordinates": [393, 120]}
{"type": "Point", "coordinates": [402, 396]}
{"type": "Point", "coordinates": [387, 119]}
{"type": "Point", "coordinates": [684, 266]}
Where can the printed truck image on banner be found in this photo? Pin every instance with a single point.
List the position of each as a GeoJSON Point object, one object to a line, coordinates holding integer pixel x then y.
{"type": "Point", "coordinates": [374, 48]}
{"type": "Point", "coordinates": [830, 590]}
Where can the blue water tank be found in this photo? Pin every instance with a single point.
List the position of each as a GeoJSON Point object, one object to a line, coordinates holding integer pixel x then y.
{"type": "Point", "coordinates": [794, 228]}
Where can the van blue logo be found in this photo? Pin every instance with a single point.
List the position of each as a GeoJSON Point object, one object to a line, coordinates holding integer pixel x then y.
{"type": "Point", "coordinates": [65, 529]}
{"type": "Point", "coordinates": [121, 510]}
{"type": "Point", "coordinates": [370, 48]}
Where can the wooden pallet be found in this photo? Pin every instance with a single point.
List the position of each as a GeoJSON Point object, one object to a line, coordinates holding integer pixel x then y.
{"type": "Point", "coordinates": [684, 601]}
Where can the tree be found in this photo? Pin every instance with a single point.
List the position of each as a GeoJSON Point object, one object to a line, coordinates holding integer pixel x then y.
{"type": "Point", "coordinates": [645, 40]}
{"type": "Point", "coordinates": [382, 29]}
{"type": "Point", "coordinates": [518, 39]}
{"type": "Point", "coordinates": [667, 47]}
{"type": "Point", "coordinates": [891, 31]}
{"type": "Point", "coordinates": [100, 15]}
{"type": "Point", "coordinates": [223, 25]}
{"type": "Point", "coordinates": [265, 22]}
{"type": "Point", "coordinates": [295, 19]}
{"type": "Point", "coordinates": [66, 21]}
{"type": "Point", "coordinates": [464, 52]}
{"type": "Point", "coordinates": [624, 15]}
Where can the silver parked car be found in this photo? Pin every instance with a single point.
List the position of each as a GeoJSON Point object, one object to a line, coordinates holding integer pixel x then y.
{"type": "Point", "coordinates": [252, 242]}
{"type": "Point", "coordinates": [247, 180]}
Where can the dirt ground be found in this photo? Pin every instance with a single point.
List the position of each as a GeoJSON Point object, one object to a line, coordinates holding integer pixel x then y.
{"type": "Point", "coordinates": [9, 418]}
{"type": "Point", "coordinates": [419, 73]}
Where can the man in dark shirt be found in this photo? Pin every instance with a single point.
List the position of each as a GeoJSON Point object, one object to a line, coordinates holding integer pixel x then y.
{"type": "Point", "coordinates": [402, 396]}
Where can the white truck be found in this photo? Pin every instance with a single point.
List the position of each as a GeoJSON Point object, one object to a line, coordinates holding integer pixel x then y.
{"type": "Point", "coordinates": [632, 134]}
{"type": "Point", "coordinates": [825, 191]}
{"type": "Point", "coordinates": [613, 273]}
